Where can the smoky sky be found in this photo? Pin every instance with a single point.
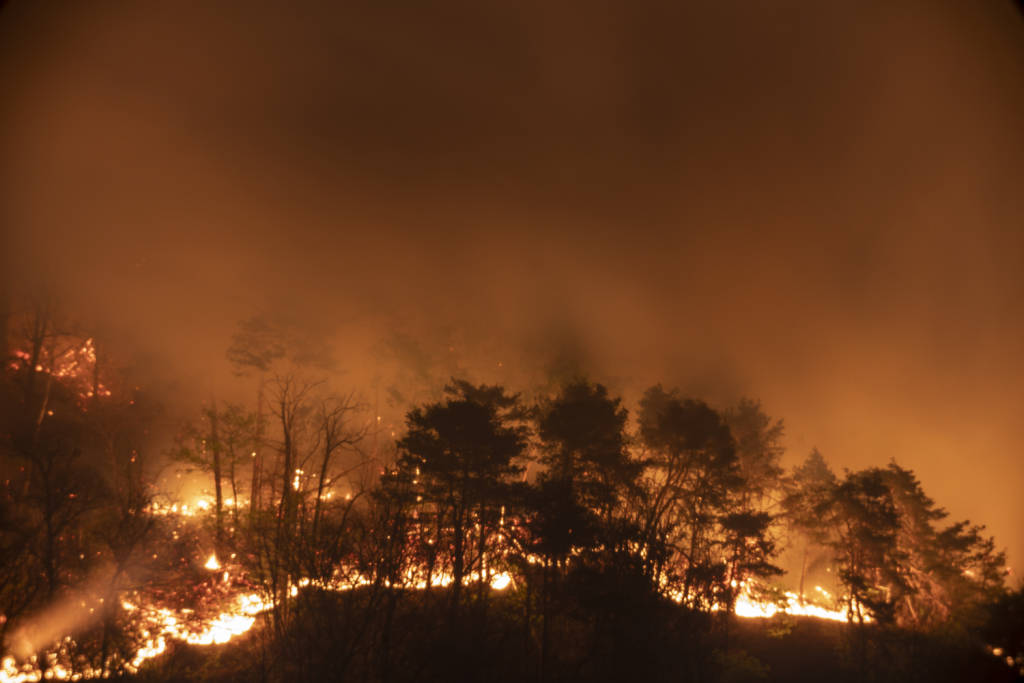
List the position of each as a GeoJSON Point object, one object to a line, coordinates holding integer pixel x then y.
{"type": "Point", "coordinates": [816, 204]}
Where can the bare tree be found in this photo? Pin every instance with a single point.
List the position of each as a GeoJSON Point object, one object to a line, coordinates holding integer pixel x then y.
{"type": "Point", "coordinates": [256, 347]}
{"type": "Point", "coordinates": [336, 433]}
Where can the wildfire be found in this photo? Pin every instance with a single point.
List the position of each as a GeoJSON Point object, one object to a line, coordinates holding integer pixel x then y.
{"type": "Point", "coordinates": [750, 606]}
{"type": "Point", "coordinates": [163, 624]}
{"type": "Point", "coordinates": [196, 507]}
{"type": "Point", "coordinates": [75, 365]}
{"type": "Point", "coordinates": [160, 625]}
{"type": "Point", "coordinates": [500, 582]}
{"type": "Point", "coordinates": [747, 606]}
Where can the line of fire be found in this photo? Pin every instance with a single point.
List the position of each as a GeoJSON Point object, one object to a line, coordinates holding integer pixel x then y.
{"type": "Point", "coordinates": [545, 533]}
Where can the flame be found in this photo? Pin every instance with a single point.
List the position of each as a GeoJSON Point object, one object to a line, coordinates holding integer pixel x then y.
{"type": "Point", "coordinates": [749, 606]}
{"type": "Point", "coordinates": [160, 625]}
{"type": "Point", "coordinates": [198, 506]}
{"type": "Point", "coordinates": [500, 582]}
{"type": "Point", "coordinates": [163, 624]}
{"type": "Point", "coordinates": [74, 366]}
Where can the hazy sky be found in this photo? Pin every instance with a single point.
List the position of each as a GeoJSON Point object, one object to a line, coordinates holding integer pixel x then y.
{"type": "Point", "coordinates": [814, 203]}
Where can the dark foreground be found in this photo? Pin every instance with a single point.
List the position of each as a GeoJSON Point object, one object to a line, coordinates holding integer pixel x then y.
{"type": "Point", "coordinates": [335, 636]}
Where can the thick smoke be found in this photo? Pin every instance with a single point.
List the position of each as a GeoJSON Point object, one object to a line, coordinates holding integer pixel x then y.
{"type": "Point", "coordinates": [813, 203]}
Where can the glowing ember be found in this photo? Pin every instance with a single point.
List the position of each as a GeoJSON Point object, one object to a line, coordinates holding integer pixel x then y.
{"type": "Point", "coordinates": [751, 607]}
{"type": "Point", "coordinates": [747, 606]}
{"type": "Point", "coordinates": [73, 365]}
{"type": "Point", "coordinates": [500, 582]}
{"type": "Point", "coordinates": [163, 624]}
{"type": "Point", "coordinates": [160, 625]}
{"type": "Point", "coordinates": [198, 506]}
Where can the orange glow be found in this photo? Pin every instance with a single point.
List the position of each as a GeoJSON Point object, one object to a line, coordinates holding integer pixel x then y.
{"type": "Point", "coordinates": [73, 366]}
{"type": "Point", "coordinates": [500, 582]}
{"type": "Point", "coordinates": [160, 625]}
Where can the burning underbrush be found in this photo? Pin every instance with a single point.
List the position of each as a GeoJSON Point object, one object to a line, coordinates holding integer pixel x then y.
{"type": "Point", "coordinates": [184, 597]}
{"type": "Point", "coordinates": [594, 628]}
{"type": "Point", "coordinates": [129, 613]}
{"type": "Point", "coordinates": [494, 540]}
{"type": "Point", "coordinates": [207, 618]}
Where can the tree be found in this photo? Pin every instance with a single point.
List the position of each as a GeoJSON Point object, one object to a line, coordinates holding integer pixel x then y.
{"type": "Point", "coordinates": [948, 571]}
{"type": "Point", "coordinates": [583, 445]}
{"type": "Point", "coordinates": [693, 471]}
{"type": "Point", "coordinates": [810, 489]}
{"type": "Point", "coordinates": [749, 550]}
{"type": "Point", "coordinates": [46, 432]}
{"type": "Point", "coordinates": [335, 433]}
{"type": "Point", "coordinates": [255, 347]}
{"type": "Point", "coordinates": [897, 565]}
{"type": "Point", "coordinates": [236, 434]}
{"type": "Point", "coordinates": [464, 452]}
{"type": "Point", "coordinates": [577, 507]}
{"type": "Point", "coordinates": [758, 441]}
{"type": "Point", "coordinates": [218, 444]}
{"type": "Point", "coordinates": [871, 564]}
{"type": "Point", "coordinates": [290, 407]}
{"type": "Point", "coordinates": [74, 492]}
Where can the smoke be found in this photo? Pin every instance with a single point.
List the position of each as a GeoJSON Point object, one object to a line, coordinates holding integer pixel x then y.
{"type": "Point", "coordinates": [69, 613]}
{"type": "Point", "coordinates": [810, 203]}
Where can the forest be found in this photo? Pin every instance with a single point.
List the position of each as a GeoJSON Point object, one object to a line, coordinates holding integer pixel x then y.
{"type": "Point", "coordinates": [545, 533]}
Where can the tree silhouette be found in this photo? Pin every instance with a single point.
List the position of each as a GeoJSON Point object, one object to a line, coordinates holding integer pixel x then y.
{"type": "Point", "coordinates": [694, 473]}
{"type": "Point", "coordinates": [463, 454]}
{"type": "Point", "coordinates": [871, 564]}
{"type": "Point", "coordinates": [758, 441]}
{"type": "Point", "coordinates": [810, 488]}
{"type": "Point", "coordinates": [255, 347]}
{"type": "Point", "coordinates": [589, 472]}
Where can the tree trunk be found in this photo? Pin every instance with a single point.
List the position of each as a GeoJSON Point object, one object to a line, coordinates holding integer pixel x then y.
{"type": "Point", "coordinates": [257, 454]}
{"type": "Point", "coordinates": [50, 556]}
{"type": "Point", "coordinates": [234, 488]}
{"type": "Point", "coordinates": [215, 446]}
{"type": "Point", "coordinates": [545, 617]}
{"type": "Point", "coordinates": [318, 504]}
{"type": "Point", "coordinates": [484, 571]}
{"type": "Point", "coordinates": [458, 559]}
{"type": "Point", "coordinates": [803, 573]}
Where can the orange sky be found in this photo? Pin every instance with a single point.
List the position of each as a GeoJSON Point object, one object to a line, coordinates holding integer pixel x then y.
{"type": "Point", "coordinates": [813, 203]}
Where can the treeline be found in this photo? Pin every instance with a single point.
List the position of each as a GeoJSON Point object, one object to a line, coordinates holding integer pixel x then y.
{"type": "Point", "coordinates": [495, 537]}
{"type": "Point", "coordinates": [76, 529]}
{"type": "Point", "coordinates": [601, 523]}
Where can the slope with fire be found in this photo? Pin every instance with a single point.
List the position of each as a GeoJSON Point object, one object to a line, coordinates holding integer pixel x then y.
{"type": "Point", "coordinates": [559, 529]}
